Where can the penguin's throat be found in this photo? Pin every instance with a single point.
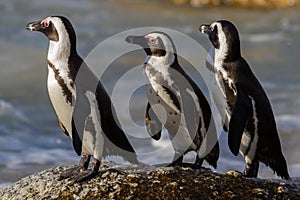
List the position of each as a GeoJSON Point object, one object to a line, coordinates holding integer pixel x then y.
{"type": "Point", "coordinates": [221, 54]}
{"type": "Point", "coordinates": [59, 51]}
{"type": "Point", "coordinates": [166, 60]}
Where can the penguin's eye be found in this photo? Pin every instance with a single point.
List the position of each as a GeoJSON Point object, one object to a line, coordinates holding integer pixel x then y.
{"type": "Point", "coordinates": [152, 40]}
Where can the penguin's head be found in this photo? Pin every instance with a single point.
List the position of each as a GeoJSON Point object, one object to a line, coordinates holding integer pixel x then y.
{"type": "Point", "coordinates": [56, 28]}
{"type": "Point", "coordinates": [224, 37]}
{"type": "Point", "coordinates": [157, 44]}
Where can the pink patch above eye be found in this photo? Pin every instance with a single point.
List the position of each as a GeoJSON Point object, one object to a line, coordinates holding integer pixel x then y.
{"type": "Point", "coordinates": [149, 37]}
{"type": "Point", "coordinates": [45, 23]}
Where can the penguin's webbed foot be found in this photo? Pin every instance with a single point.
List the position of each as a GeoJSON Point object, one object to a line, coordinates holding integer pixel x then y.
{"type": "Point", "coordinates": [69, 173]}
{"type": "Point", "coordinates": [83, 165]}
{"type": "Point", "coordinates": [87, 174]}
{"type": "Point", "coordinates": [197, 165]}
{"type": "Point", "coordinates": [199, 161]}
{"type": "Point", "coordinates": [175, 161]}
{"type": "Point", "coordinates": [251, 169]}
{"type": "Point", "coordinates": [84, 175]}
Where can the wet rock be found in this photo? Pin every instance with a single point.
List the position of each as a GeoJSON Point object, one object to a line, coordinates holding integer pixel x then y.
{"type": "Point", "coordinates": [145, 182]}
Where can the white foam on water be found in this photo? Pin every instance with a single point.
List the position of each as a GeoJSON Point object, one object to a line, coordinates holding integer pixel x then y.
{"type": "Point", "coordinates": [37, 156]}
{"type": "Point", "coordinates": [8, 109]}
{"type": "Point", "coordinates": [265, 37]}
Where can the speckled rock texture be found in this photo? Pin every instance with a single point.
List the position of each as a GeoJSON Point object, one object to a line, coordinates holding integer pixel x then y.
{"type": "Point", "coordinates": [144, 182]}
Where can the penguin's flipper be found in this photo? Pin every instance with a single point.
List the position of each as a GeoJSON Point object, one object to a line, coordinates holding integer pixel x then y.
{"type": "Point", "coordinates": [239, 117]}
{"type": "Point", "coordinates": [153, 124]}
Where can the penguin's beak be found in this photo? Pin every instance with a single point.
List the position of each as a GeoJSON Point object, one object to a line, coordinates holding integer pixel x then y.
{"type": "Point", "coordinates": [204, 28]}
{"type": "Point", "coordinates": [139, 40]}
{"type": "Point", "coordinates": [34, 26]}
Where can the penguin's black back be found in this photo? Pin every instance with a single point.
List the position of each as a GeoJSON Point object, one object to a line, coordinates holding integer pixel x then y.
{"type": "Point", "coordinates": [268, 148]}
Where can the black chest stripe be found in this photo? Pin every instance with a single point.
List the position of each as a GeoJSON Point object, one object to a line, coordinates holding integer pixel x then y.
{"type": "Point", "coordinates": [163, 83]}
{"type": "Point", "coordinates": [66, 92]}
{"type": "Point", "coordinates": [173, 97]}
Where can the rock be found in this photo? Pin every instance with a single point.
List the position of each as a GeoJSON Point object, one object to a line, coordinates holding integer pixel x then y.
{"type": "Point", "coordinates": [145, 182]}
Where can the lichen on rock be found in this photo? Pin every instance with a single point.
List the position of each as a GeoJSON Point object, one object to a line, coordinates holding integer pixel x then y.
{"type": "Point", "coordinates": [146, 182]}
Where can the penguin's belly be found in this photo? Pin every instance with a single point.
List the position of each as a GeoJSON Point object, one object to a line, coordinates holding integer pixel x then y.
{"type": "Point", "coordinates": [63, 109]}
{"type": "Point", "coordinates": [173, 120]}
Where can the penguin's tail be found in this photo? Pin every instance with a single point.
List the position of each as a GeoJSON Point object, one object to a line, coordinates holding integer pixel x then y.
{"type": "Point", "coordinates": [277, 163]}
{"type": "Point", "coordinates": [121, 148]}
{"type": "Point", "coordinates": [131, 156]}
{"type": "Point", "coordinates": [280, 167]}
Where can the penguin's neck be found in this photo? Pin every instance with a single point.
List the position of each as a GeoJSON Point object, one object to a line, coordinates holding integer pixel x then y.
{"type": "Point", "coordinates": [221, 52]}
{"type": "Point", "coordinates": [59, 52]}
{"type": "Point", "coordinates": [228, 52]}
{"type": "Point", "coordinates": [162, 64]}
{"type": "Point", "coordinates": [166, 60]}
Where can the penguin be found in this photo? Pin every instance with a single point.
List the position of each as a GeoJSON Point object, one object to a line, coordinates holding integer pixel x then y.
{"type": "Point", "coordinates": [175, 101]}
{"type": "Point", "coordinates": [249, 117]}
{"type": "Point", "coordinates": [83, 107]}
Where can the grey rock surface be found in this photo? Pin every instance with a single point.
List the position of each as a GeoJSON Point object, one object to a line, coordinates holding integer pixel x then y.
{"type": "Point", "coordinates": [145, 182]}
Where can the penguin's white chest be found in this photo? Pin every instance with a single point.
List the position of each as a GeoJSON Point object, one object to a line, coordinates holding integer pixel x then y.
{"type": "Point", "coordinates": [63, 109]}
